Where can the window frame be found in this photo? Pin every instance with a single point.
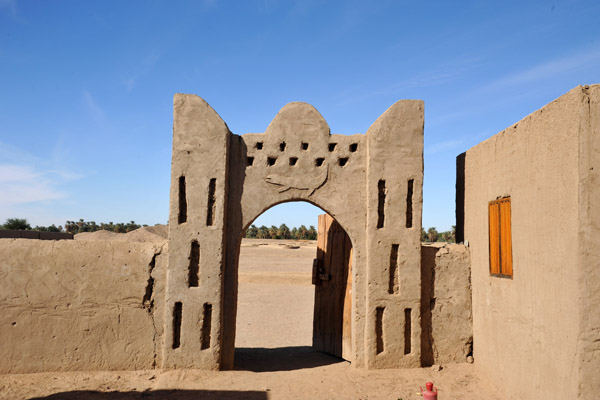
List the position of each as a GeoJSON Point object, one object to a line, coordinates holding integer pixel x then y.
{"type": "Point", "coordinates": [500, 238]}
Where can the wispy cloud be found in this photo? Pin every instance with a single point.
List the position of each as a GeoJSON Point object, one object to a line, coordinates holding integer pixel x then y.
{"type": "Point", "coordinates": [10, 6]}
{"type": "Point", "coordinates": [22, 184]}
{"type": "Point", "coordinates": [434, 77]}
{"type": "Point", "coordinates": [549, 69]}
{"type": "Point", "coordinates": [443, 146]}
{"type": "Point", "coordinates": [145, 66]}
{"type": "Point", "coordinates": [209, 3]}
{"type": "Point", "coordinates": [92, 107]}
{"type": "Point", "coordinates": [25, 178]}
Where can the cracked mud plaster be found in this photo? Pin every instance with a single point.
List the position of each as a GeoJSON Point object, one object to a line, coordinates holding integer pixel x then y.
{"type": "Point", "coordinates": [148, 303]}
{"type": "Point", "coordinates": [101, 290]}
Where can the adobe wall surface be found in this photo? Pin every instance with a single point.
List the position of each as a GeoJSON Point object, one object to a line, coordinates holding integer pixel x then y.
{"type": "Point", "coordinates": [447, 335]}
{"type": "Point", "coordinates": [221, 182]}
{"type": "Point", "coordinates": [526, 329]}
{"type": "Point", "coordinates": [77, 305]}
{"type": "Point", "coordinates": [588, 346]}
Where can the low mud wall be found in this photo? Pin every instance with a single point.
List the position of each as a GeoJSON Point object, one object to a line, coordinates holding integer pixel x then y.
{"type": "Point", "coordinates": [80, 305]}
{"type": "Point", "coordinates": [446, 316]}
{"type": "Point", "coordinates": [18, 234]}
{"type": "Point", "coordinates": [97, 305]}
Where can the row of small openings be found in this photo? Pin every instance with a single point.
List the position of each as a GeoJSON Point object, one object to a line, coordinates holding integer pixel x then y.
{"type": "Point", "coordinates": [304, 146]}
{"type": "Point", "coordinates": [342, 161]}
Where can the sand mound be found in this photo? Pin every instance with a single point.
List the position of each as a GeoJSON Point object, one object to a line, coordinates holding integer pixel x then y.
{"type": "Point", "coordinates": [159, 229]}
{"type": "Point", "coordinates": [157, 233]}
{"type": "Point", "coordinates": [98, 235]}
{"type": "Point", "coordinates": [144, 234]}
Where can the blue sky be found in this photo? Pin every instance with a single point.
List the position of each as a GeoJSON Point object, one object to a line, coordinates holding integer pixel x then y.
{"type": "Point", "coordinates": [86, 87]}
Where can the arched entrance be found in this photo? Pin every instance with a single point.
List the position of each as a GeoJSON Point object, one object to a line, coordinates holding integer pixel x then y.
{"type": "Point", "coordinates": [220, 182]}
{"type": "Point", "coordinates": [294, 294]}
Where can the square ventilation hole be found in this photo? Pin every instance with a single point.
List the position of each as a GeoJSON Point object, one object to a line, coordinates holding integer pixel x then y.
{"type": "Point", "coordinates": [250, 160]}
{"type": "Point", "coordinates": [259, 145]}
{"type": "Point", "coordinates": [271, 161]}
{"type": "Point", "coordinates": [332, 146]}
{"type": "Point", "coordinates": [282, 146]}
{"type": "Point", "coordinates": [353, 147]}
{"type": "Point", "coordinates": [319, 161]}
{"type": "Point", "coordinates": [304, 146]}
{"type": "Point", "coordinates": [293, 160]}
{"type": "Point", "coordinates": [342, 161]}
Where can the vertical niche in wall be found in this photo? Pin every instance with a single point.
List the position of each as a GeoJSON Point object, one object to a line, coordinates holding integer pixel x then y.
{"type": "Point", "coordinates": [182, 212]}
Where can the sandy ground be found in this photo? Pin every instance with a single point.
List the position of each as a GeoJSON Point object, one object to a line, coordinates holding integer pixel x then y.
{"type": "Point", "coordinates": [274, 359]}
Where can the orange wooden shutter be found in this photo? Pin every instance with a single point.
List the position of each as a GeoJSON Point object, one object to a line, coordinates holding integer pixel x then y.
{"type": "Point", "coordinates": [494, 220]}
{"type": "Point", "coordinates": [505, 238]}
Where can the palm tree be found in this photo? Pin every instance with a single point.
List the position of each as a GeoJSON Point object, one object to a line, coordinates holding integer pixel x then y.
{"type": "Point", "coordinates": [312, 233]}
{"type": "Point", "coordinates": [284, 232]}
{"type": "Point", "coordinates": [273, 232]}
{"type": "Point", "coordinates": [302, 232]}
{"type": "Point", "coordinates": [263, 232]}
{"type": "Point", "coordinates": [432, 234]}
{"type": "Point", "coordinates": [252, 232]}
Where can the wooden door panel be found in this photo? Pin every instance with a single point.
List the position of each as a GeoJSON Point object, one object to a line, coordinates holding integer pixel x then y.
{"type": "Point", "coordinates": [494, 221]}
{"type": "Point", "coordinates": [333, 283]}
{"type": "Point", "coordinates": [505, 238]}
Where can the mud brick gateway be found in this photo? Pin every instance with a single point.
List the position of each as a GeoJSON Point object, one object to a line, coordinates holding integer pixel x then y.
{"type": "Point", "coordinates": [220, 182]}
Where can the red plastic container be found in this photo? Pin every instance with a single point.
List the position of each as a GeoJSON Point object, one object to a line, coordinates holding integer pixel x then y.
{"type": "Point", "coordinates": [429, 394]}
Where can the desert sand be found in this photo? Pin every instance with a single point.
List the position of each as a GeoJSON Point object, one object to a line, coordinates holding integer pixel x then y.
{"type": "Point", "coordinates": [274, 359]}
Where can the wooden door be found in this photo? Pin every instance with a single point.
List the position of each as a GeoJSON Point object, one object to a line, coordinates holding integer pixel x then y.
{"type": "Point", "coordinates": [332, 277]}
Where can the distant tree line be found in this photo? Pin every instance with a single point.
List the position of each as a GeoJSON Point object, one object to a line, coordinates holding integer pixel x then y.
{"type": "Point", "coordinates": [91, 226]}
{"type": "Point", "coordinates": [432, 235]}
{"type": "Point", "coordinates": [262, 232]}
{"type": "Point", "coordinates": [73, 227]}
{"type": "Point", "coordinates": [283, 232]}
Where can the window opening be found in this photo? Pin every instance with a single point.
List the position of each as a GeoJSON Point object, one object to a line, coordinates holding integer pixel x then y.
{"type": "Point", "coordinates": [182, 215]}
{"type": "Point", "coordinates": [177, 313]}
{"type": "Point", "coordinates": [211, 202]}
{"type": "Point", "coordinates": [394, 283]}
{"type": "Point", "coordinates": [380, 203]}
{"type": "Point", "coordinates": [194, 266]}
{"type": "Point", "coordinates": [407, 331]}
{"type": "Point", "coordinates": [379, 328]}
{"type": "Point", "coordinates": [206, 325]}
{"type": "Point", "coordinates": [409, 208]}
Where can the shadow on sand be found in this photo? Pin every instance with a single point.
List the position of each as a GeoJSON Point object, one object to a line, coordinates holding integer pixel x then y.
{"type": "Point", "coordinates": [281, 359]}
{"type": "Point", "coordinates": [158, 394]}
